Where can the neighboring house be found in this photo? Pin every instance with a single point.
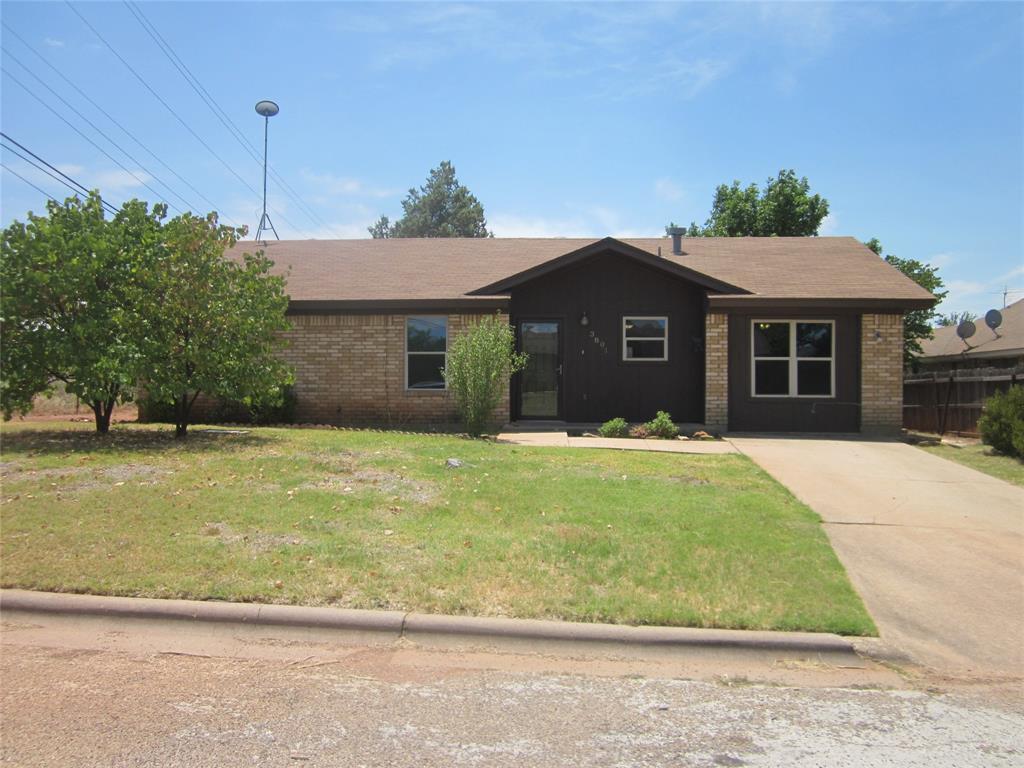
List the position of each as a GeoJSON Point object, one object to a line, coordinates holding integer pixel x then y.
{"type": "Point", "coordinates": [778, 334]}
{"type": "Point", "coordinates": [953, 377]}
{"type": "Point", "coordinates": [1002, 348]}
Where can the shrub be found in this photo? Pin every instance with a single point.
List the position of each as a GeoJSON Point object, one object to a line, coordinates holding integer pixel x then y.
{"type": "Point", "coordinates": [662, 426]}
{"type": "Point", "coordinates": [480, 362]}
{"type": "Point", "coordinates": [640, 432]}
{"type": "Point", "coordinates": [616, 427]}
{"type": "Point", "coordinates": [1002, 422]}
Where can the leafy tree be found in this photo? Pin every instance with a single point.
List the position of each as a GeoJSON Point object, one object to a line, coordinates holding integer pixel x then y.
{"type": "Point", "coordinates": [212, 324]}
{"type": "Point", "coordinates": [917, 324]}
{"type": "Point", "coordinates": [480, 362]}
{"type": "Point", "coordinates": [70, 303]}
{"type": "Point", "coordinates": [440, 208]}
{"type": "Point", "coordinates": [954, 319]}
{"type": "Point", "coordinates": [784, 208]}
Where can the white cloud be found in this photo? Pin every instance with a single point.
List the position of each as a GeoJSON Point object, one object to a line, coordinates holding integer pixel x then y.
{"type": "Point", "coordinates": [666, 189]}
{"type": "Point", "coordinates": [829, 225]}
{"type": "Point", "coordinates": [330, 184]}
{"type": "Point", "coordinates": [583, 221]}
{"type": "Point", "coordinates": [979, 296]}
{"type": "Point", "coordinates": [114, 180]}
{"type": "Point", "coordinates": [53, 43]}
{"type": "Point", "coordinates": [70, 168]}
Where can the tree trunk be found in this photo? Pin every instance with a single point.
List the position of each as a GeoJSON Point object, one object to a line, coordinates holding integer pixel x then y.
{"type": "Point", "coordinates": [182, 410]}
{"type": "Point", "coordinates": [103, 411]}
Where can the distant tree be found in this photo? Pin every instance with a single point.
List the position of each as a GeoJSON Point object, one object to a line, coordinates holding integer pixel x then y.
{"type": "Point", "coordinates": [212, 324]}
{"type": "Point", "coordinates": [440, 208]}
{"type": "Point", "coordinates": [954, 319]}
{"type": "Point", "coordinates": [917, 324]}
{"type": "Point", "coordinates": [70, 310]}
{"type": "Point", "coordinates": [480, 362]}
{"type": "Point", "coordinates": [784, 208]}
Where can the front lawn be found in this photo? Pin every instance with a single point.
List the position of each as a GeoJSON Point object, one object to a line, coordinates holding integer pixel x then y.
{"type": "Point", "coordinates": [982, 458]}
{"type": "Point", "coordinates": [367, 519]}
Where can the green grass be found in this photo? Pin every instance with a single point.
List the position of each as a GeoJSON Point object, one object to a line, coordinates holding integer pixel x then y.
{"type": "Point", "coordinates": [983, 459]}
{"type": "Point", "coordinates": [368, 519]}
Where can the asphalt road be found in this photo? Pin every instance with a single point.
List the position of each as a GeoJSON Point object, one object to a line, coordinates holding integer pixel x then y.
{"type": "Point", "coordinates": [132, 694]}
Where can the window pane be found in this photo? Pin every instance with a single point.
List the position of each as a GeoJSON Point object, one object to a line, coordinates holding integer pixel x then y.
{"type": "Point", "coordinates": [814, 377]}
{"type": "Point", "coordinates": [771, 339]}
{"type": "Point", "coordinates": [639, 350]}
{"type": "Point", "coordinates": [814, 339]}
{"type": "Point", "coordinates": [425, 371]}
{"type": "Point", "coordinates": [426, 334]}
{"type": "Point", "coordinates": [771, 377]}
{"type": "Point", "coordinates": [648, 329]}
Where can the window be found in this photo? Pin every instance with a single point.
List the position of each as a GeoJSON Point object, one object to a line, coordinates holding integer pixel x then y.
{"type": "Point", "coordinates": [426, 342]}
{"type": "Point", "coordinates": [645, 338]}
{"type": "Point", "coordinates": [793, 358]}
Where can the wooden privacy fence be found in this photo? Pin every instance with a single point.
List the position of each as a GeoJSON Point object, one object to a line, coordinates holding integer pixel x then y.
{"type": "Point", "coordinates": [952, 401]}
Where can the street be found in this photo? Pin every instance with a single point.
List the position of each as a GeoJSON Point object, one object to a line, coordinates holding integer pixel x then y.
{"type": "Point", "coordinates": [90, 692]}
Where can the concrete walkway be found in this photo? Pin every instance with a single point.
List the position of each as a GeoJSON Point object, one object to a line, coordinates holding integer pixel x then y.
{"type": "Point", "coordinates": [935, 549]}
{"type": "Point", "coordinates": [562, 440]}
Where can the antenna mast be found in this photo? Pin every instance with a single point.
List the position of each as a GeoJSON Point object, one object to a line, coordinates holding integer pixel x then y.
{"type": "Point", "coordinates": [267, 109]}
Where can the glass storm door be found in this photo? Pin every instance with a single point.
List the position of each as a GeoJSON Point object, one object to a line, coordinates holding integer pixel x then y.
{"type": "Point", "coordinates": [540, 380]}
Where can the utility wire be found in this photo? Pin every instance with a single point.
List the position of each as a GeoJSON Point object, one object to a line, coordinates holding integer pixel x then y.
{"type": "Point", "coordinates": [168, 107]}
{"type": "Point", "coordinates": [93, 143]}
{"type": "Point", "coordinates": [39, 164]}
{"type": "Point", "coordinates": [217, 110]}
{"type": "Point", "coordinates": [100, 131]}
{"type": "Point", "coordinates": [112, 119]}
{"type": "Point", "coordinates": [40, 190]}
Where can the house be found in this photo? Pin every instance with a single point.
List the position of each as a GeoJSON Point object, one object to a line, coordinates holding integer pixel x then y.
{"type": "Point", "coordinates": [985, 348]}
{"type": "Point", "coordinates": [777, 334]}
{"type": "Point", "coordinates": [953, 377]}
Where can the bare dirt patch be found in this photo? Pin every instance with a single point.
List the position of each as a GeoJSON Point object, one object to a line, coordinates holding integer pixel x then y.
{"type": "Point", "coordinates": [388, 483]}
{"type": "Point", "coordinates": [257, 541]}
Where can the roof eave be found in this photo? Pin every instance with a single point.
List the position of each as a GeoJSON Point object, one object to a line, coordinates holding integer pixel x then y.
{"type": "Point", "coordinates": [753, 301]}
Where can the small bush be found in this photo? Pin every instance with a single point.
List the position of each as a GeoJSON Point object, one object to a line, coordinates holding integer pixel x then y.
{"type": "Point", "coordinates": [640, 432]}
{"type": "Point", "coordinates": [662, 426]}
{"type": "Point", "coordinates": [153, 412]}
{"type": "Point", "coordinates": [1002, 422]}
{"type": "Point", "coordinates": [480, 362]}
{"type": "Point", "coordinates": [616, 427]}
{"type": "Point", "coordinates": [281, 413]}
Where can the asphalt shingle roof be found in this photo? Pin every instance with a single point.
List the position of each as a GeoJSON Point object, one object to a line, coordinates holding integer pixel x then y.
{"type": "Point", "coordinates": [451, 268]}
{"type": "Point", "coordinates": [1010, 341]}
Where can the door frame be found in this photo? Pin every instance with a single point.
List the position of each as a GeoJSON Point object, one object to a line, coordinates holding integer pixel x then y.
{"type": "Point", "coordinates": [516, 390]}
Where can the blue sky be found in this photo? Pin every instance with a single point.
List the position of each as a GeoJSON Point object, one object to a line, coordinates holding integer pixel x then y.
{"type": "Point", "coordinates": [564, 119]}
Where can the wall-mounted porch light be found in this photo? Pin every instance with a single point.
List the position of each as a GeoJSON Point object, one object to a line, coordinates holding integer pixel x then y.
{"type": "Point", "coordinates": [584, 320]}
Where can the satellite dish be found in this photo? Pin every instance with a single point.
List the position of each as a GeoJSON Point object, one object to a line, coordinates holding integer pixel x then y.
{"type": "Point", "coordinates": [966, 329]}
{"type": "Point", "coordinates": [267, 108]}
{"type": "Point", "coordinates": [993, 318]}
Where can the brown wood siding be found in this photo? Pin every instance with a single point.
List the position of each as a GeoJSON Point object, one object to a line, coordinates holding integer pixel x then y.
{"type": "Point", "coordinates": [597, 384]}
{"type": "Point", "coordinates": [836, 414]}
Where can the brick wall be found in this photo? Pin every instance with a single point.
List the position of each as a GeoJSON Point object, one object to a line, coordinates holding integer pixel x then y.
{"type": "Point", "coordinates": [350, 369]}
{"type": "Point", "coordinates": [881, 388]}
{"type": "Point", "coordinates": [716, 372]}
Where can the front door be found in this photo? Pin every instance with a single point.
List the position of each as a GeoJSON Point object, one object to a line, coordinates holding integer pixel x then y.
{"type": "Point", "coordinates": [540, 382]}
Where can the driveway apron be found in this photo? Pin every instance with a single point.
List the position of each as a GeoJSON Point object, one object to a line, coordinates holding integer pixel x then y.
{"type": "Point", "coordinates": [935, 549]}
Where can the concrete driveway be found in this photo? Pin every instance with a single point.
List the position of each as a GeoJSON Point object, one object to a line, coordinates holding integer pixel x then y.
{"type": "Point", "coordinates": [935, 549]}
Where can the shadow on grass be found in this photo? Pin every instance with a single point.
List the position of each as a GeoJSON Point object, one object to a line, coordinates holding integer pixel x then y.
{"type": "Point", "coordinates": [119, 440]}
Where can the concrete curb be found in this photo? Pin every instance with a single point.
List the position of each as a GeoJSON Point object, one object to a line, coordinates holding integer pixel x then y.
{"type": "Point", "coordinates": [434, 630]}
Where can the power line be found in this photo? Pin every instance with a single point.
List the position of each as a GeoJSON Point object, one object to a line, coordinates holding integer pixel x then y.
{"type": "Point", "coordinates": [76, 130]}
{"type": "Point", "coordinates": [49, 170]}
{"type": "Point", "coordinates": [167, 106]}
{"type": "Point", "coordinates": [218, 111]}
{"type": "Point", "coordinates": [112, 119]}
{"type": "Point", "coordinates": [37, 189]}
{"type": "Point", "coordinates": [102, 133]}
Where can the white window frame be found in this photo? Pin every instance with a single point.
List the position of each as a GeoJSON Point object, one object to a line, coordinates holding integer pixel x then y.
{"type": "Point", "coordinates": [792, 359]}
{"type": "Point", "coordinates": [626, 338]}
{"type": "Point", "coordinates": [405, 345]}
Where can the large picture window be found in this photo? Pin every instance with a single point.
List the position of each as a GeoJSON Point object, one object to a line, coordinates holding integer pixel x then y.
{"type": "Point", "coordinates": [644, 338]}
{"type": "Point", "coordinates": [793, 358]}
{"type": "Point", "coordinates": [426, 345]}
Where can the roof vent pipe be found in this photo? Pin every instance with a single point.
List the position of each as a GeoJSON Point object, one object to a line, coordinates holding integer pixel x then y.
{"type": "Point", "coordinates": [677, 239]}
